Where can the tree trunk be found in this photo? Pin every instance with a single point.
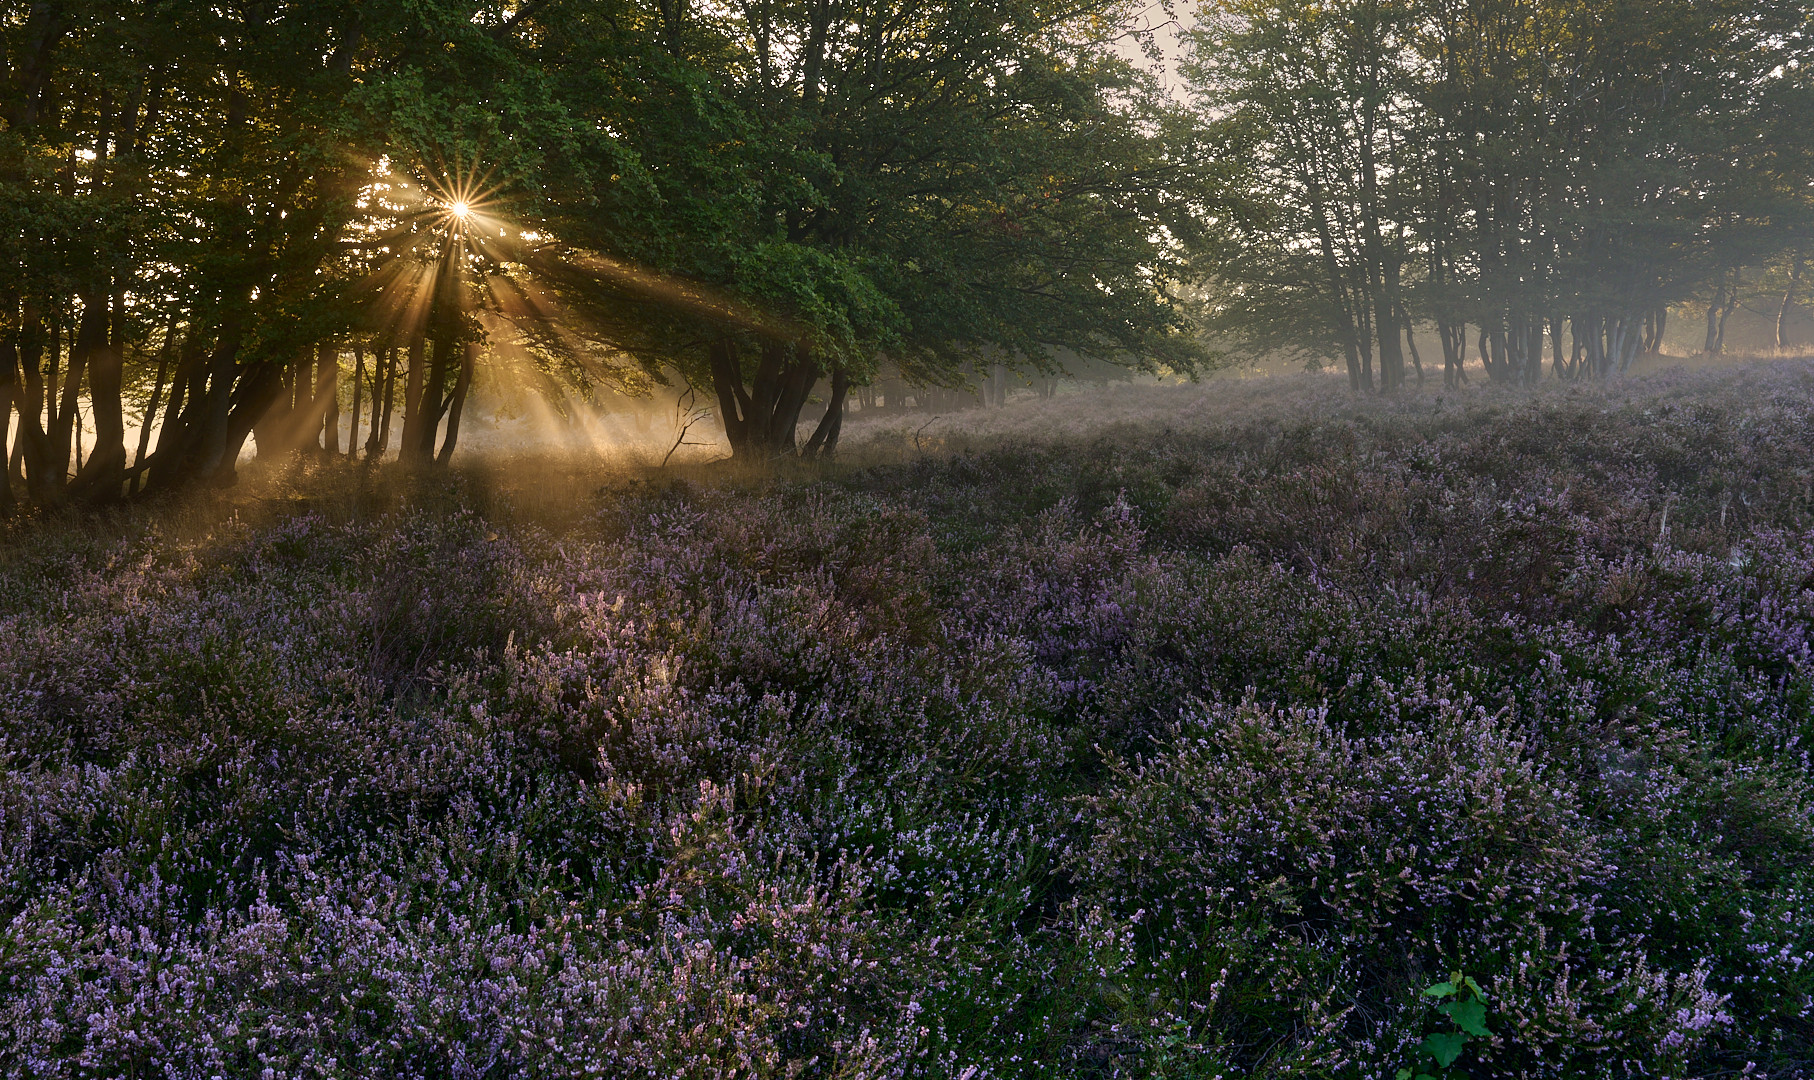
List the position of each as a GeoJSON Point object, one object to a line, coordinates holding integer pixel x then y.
{"type": "Point", "coordinates": [135, 474]}
{"type": "Point", "coordinates": [1391, 353]}
{"type": "Point", "coordinates": [1725, 301]}
{"type": "Point", "coordinates": [352, 434]}
{"type": "Point", "coordinates": [102, 477]}
{"type": "Point", "coordinates": [1655, 324]}
{"type": "Point", "coordinates": [414, 383]}
{"type": "Point", "coordinates": [33, 451]}
{"type": "Point", "coordinates": [1731, 305]}
{"type": "Point", "coordinates": [1499, 360]}
{"type": "Point", "coordinates": [9, 383]}
{"type": "Point", "coordinates": [1782, 311]}
{"type": "Point", "coordinates": [212, 463]}
{"type": "Point", "coordinates": [1557, 366]}
{"type": "Point", "coordinates": [760, 422]}
{"type": "Point", "coordinates": [462, 385]}
{"type": "Point", "coordinates": [251, 397]}
{"type": "Point", "coordinates": [1386, 326]}
{"type": "Point", "coordinates": [434, 395]}
{"type": "Point", "coordinates": [796, 386]}
{"type": "Point", "coordinates": [824, 441]}
{"type": "Point", "coordinates": [91, 336]}
{"type": "Point", "coordinates": [275, 431]}
{"type": "Point", "coordinates": [327, 391]}
{"type": "Point", "coordinates": [1404, 320]}
{"type": "Point", "coordinates": [379, 443]}
{"type": "Point", "coordinates": [182, 389]}
{"type": "Point", "coordinates": [1454, 346]}
{"type": "Point", "coordinates": [193, 443]}
{"type": "Point", "coordinates": [1338, 294]}
{"type": "Point", "coordinates": [1597, 337]}
{"type": "Point", "coordinates": [1624, 339]}
{"type": "Point", "coordinates": [302, 396]}
{"type": "Point", "coordinates": [727, 382]}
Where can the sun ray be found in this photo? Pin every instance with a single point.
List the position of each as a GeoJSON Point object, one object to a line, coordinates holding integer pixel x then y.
{"type": "Point", "coordinates": [452, 248]}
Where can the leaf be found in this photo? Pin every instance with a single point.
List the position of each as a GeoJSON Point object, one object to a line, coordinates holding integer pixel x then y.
{"type": "Point", "coordinates": [1445, 1048]}
{"type": "Point", "coordinates": [1469, 982]}
{"type": "Point", "coordinates": [1469, 1015]}
{"type": "Point", "coordinates": [1441, 990]}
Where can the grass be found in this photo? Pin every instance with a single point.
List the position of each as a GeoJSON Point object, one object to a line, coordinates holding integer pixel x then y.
{"type": "Point", "coordinates": [1164, 731]}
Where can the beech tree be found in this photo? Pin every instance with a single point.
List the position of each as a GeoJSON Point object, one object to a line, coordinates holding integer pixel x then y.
{"type": "Point", "coordinates": [1307, 242]}
{"type": "Point", "coordinates": [175, 184]}
{"type": "Point", "coordinates": [192, 186]}
{"type": "Point", "coordinates": [1509, 166]}
{"type": "Point", "coordinates": [205, 209]}
{"type": "Point", "coordinates": [838, 183]}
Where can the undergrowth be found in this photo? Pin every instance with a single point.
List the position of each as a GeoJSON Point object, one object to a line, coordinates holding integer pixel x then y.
{"type": "Point", "coordinates": [1198, 752]}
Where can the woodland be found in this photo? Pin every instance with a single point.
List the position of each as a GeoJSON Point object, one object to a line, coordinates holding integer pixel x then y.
{"type": "Point", "coordinates": [225, 225]}
{"type": "Point", "coordinates": [1436, 707]}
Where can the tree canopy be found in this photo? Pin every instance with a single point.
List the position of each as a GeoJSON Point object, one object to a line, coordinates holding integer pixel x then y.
{"type": "Point", "coordinates": [207, 210]}
{"type": "Point", "coordinates": [753, 196]}
{"type": "Point", "coordinates": [1510, 164]}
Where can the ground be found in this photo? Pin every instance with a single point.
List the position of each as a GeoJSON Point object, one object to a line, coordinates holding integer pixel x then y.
{"type": "Point", "coordinates": [1155, 731]}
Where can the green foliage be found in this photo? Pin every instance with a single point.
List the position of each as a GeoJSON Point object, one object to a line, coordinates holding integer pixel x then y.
{"type": "Point", "coordinates": [1463, 1002]}
{"type": "Point", "coordinates": [848, 183]}
{"type": "Point", "coordinates": [1369, 162]}
{"type": "Point", "coordinates": [921, 193]}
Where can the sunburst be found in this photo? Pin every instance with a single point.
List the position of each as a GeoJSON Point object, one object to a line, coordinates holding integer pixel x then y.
{"type": "Point", "coordinates": [462, 196]}
{"type": "Point", "coordinates": [456, 252]}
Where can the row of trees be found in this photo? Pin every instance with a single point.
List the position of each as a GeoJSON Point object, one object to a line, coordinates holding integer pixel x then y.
{"type": "Point", "coordinates": [186, 189]}
{"type": "Point", "coordinates": [1499, 169]}
{"type": "Point", "coordinates": [209, 210]}
{"type": "Point", "coordinates": [206, 208]}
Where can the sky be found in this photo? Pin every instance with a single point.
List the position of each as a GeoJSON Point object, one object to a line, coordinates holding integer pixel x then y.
{"type": "Point", "coordinates": [1169, 26]}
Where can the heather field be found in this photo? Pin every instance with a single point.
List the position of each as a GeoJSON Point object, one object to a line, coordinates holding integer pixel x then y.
{"type": "Point", "coordinates": [1149, 732]}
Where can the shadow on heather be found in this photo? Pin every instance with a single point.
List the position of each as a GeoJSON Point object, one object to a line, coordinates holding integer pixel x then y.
{"type": "Point", "coordinates": [1197, 736]}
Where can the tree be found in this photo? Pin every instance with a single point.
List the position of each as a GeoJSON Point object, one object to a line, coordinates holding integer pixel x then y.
{"type": "Point", "coordinates": [1306, 117]}
{"type": "Point", "coordinates": [193, 181]}
{"type": "Point", "coordinates": [904, 182]}
{"type": "Point", "coordinates": [1510, 164]}
{"type": "Point", "coordinates": [761, 198]}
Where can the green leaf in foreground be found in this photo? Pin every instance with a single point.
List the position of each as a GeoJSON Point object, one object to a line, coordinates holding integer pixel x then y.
{"type": "Point", "coordinates": [1469, 1015]}
{"type": "Point", "coordinates": [1445, 1048]}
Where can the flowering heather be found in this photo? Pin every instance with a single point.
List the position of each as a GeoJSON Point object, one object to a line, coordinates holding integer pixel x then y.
{"type": "Point", "coordinates": [1194, 746]}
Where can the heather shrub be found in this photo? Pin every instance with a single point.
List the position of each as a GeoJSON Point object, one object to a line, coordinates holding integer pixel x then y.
{"type": "Point", "coordinates": [1285, 871]}
{"type": "Point", "coordinates": [1200, 748]}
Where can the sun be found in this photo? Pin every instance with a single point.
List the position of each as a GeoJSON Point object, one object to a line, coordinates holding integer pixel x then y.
{"type": "Point", "coordinates": [461, 210]}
